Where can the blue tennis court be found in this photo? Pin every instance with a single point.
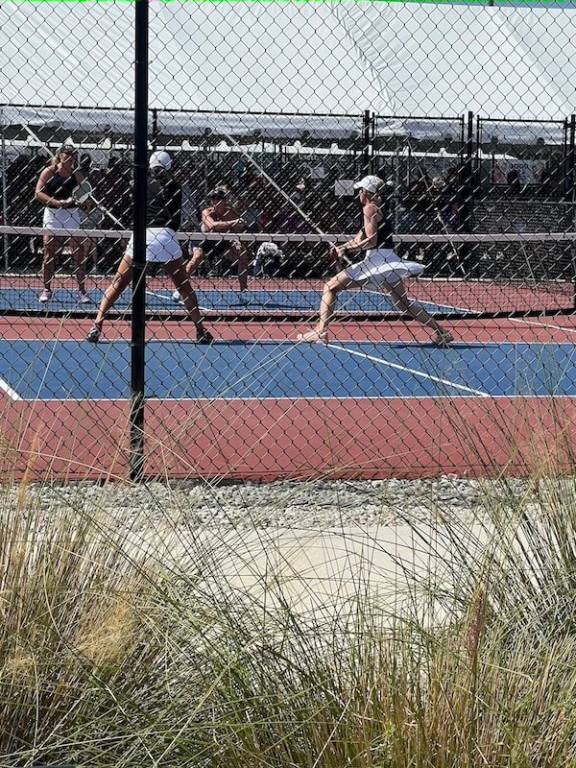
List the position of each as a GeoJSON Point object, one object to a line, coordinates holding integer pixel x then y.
{"type": "Point", "coordinates": [46, 370]}
{"type": "Point", "coordinates": [24, 299]}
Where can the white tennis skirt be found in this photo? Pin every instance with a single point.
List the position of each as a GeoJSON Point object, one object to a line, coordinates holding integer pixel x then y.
{"type": "Point", "coordinates": [383, 267]}
{"type": "Point", "coordinates": [161, 245]}
{"type": "Point", "coordinates": [61, 218]}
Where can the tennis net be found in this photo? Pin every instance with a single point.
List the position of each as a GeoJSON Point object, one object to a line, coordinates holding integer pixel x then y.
{"type": "Point", "coordinates": [465, 275]}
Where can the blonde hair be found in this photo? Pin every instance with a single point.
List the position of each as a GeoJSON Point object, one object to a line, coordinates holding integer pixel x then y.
{"type": "Point", "coordinates": [64, 149]}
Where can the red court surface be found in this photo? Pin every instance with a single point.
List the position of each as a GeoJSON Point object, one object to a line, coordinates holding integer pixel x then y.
{"type": "Point", "coordinates": [268, 440]}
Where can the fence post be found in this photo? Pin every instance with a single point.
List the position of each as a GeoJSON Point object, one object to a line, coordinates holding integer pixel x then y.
{"type": "Point", "coordinates": [570, 193]}
{"type": "Point", "coordinates": [138, 340]}
{"type": "Point", "coordinates": [367, 124]}
{"type": "Point", "coordinates": [570, 178]}
{"type": "Point", "coordinates": [466, 250]}
{"type": "Point", "coordinates": [4, 202]}
{"type": "Point", "coordinates": [154, 138]}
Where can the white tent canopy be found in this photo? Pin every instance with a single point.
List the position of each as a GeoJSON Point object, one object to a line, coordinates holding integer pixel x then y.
{"type": "Point", "coordinates": [319, 58]}
{"type": "Point", "coordinates": [502, 62]}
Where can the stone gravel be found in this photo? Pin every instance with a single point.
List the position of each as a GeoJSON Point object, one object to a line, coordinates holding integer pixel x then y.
{"type": "Point", "coordinates": [317, 504]}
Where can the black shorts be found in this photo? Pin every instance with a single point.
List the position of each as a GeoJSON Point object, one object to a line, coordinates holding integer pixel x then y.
{"type": "Point", "coordinates": [212, 249]}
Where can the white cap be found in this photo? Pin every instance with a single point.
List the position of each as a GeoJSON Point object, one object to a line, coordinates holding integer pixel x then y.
{"type": "Point", "coordinates": [160, 159]}
{"type": "Point", "coordinates": [371, 184]}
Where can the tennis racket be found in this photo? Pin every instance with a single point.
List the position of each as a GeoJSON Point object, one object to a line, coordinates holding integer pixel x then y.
{"type": "Point", "coordinates": [82, 193]}
{"type": "Point", "coordinates": [93, 215]}
{"type": "Point", "coordinates": [93, 219]}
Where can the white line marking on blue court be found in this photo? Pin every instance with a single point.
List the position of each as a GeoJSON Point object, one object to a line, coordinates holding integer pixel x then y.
{"type": "Point", "coordinates": [5, 387]}
{"type": "Point", "coordinates": [171, 300]}
{"type": "Point", "coordinates": [413, 371]}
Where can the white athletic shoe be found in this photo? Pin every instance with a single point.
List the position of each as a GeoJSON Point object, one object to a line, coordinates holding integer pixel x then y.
{"type": "Point", "coordinates": [83, 298]}
{"type": "Point", "coordinates": [45, 296]}
{"type": "Point", "coordinates": [176, 296]}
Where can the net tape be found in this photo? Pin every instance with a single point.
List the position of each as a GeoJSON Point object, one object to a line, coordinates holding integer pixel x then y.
{"type": "Point", "coordinates": [283, 237]}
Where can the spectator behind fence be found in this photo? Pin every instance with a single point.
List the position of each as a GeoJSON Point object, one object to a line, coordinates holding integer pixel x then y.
{"type": "Point", "coordinates": [113, 188]}
{"type": "Point", "coordinates": [552, 177]}
{"type": "Point", "coordinates": [294, 221]}
{"type": "Point", "coordinates": [248, 202]}
{"type": "Point", "coordinates": [420, 204]}
{"type": "Point", "coordinates": [513, 184]}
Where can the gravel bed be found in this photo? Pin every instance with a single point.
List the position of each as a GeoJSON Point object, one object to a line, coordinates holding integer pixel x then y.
{"type": "Point", "coordinates": [319, 504]}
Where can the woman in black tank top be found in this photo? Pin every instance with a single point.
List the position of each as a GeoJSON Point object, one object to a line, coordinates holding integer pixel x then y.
{"type": "Point", "coordinates": [54, 190]}
{"type": "Point", "coordinates": [379, 266]}
{"type": "Point", "coordinates": [163, 214]}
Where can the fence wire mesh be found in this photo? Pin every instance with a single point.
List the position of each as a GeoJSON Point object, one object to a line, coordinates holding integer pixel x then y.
{"type": "Point", "coordinates": [297, 325]}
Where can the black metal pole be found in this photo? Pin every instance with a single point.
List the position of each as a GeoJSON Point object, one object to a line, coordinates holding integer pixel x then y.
{"type": "Point", "coordinates": [154, 139]}
{"type": "Point", "coordinates": [467, 252]}
{"type": "Point", "coordinates": [572, 193]}
{"type": "Point", "coordinates": [366, 121]}
{"type": "Point", "coordinates": [470, 139]}
{"type": "Point", "coordinates": [571, 159]}
{"type": "Point", "coordinates": [139, 234]}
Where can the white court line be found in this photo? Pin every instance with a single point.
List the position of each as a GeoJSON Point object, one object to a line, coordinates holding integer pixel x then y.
{"type": "Point", "coordinates": [543, 325]}
{"type": "Point", "coordinates": [5, 387]}
{"type": "Point", "coordinates": [171, 300]}
{"type": "Point", "coordinates": [428, 302]}
{"type": "Point", "coordinates": [413, 371]}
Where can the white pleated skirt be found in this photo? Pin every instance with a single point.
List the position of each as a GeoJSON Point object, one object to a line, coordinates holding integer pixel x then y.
{"type": "Point", "coordinates": [161, 245]}
{"type": "Point", "coordinates": [61, 218]}
{"type": "Point", "coordinates": [382, 267]}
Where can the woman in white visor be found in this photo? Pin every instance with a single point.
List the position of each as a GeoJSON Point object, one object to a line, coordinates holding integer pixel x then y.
{"type": "Point", "coordinates": [380, 267]}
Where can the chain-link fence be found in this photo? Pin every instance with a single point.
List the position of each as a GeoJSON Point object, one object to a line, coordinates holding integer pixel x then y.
{"type": "Point", "coordinates": [296, 240]}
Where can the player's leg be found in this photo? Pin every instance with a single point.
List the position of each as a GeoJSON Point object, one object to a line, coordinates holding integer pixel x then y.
{"type": "Point", "coordinates": [240, 256]}
{"type": "Point", "coordinates": [121, 281]}
{"type": "Point", "coordinates": [331, 289]}
{"type": "Point", "coordinates": [400, 297]}
{"type": "Point", "coordinates": [48, 266]}
{"type": "Point", "coordinates": [197, 257]}
{"type": "Point", "coordinates": [79, 253]}
{"type": "Point", "coordinates": [178, 273]}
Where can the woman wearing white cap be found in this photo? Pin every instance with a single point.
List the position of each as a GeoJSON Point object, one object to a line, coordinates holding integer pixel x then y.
{"type": "Point", "coordinates": [380, 268]}
{"type": "Point", "coordinates": [163, 219]}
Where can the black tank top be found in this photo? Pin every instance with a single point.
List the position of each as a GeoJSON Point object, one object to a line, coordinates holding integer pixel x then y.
{"type": "Point", "coordinates": [385, 231]}
{"type": "Point", "coordinates": [60, 187]}
{"type": "Point", "coordinates": [164, 201]}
